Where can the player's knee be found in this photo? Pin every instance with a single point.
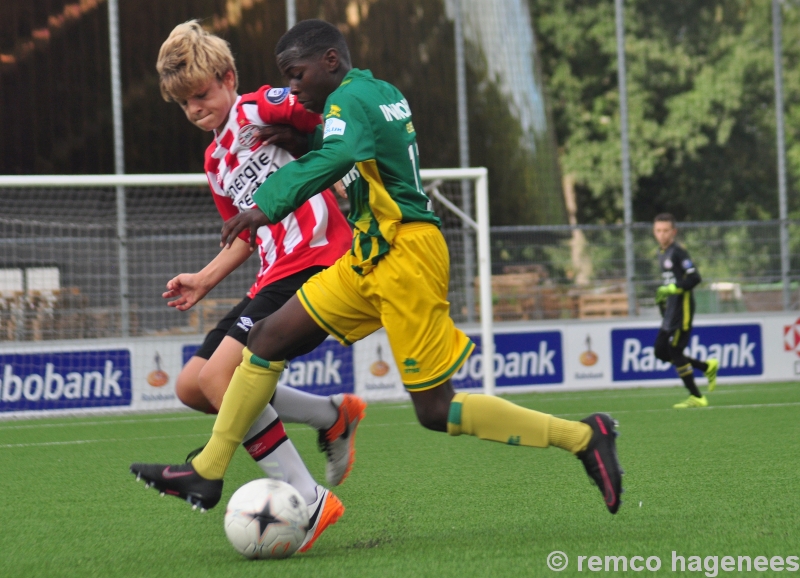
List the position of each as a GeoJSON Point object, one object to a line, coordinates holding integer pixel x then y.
{"type": "Point", "coordinates": [183, 390]}
{"type": "Point", "coordinates": [433, 406]}
{"type": "Point", "coordinates": [187, 390]}
{"type": "Point", "coordinates": [677, 357]}
{"type": "Point", "coordinates": [662, 352]}
{"type": "Point", "coordinates": [432, 418]}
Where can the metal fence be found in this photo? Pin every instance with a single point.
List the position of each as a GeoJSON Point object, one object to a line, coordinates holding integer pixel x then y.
{"type": "Point", "coordinates": [580, 271]}
{"type": "Point", "coordinates": [60, 274]}
{"type": "Point", "coordinates": [89, 257]}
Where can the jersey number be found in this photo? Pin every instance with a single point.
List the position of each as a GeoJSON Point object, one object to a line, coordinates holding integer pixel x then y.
{"type": "Point", "coordinates": [413, 154]}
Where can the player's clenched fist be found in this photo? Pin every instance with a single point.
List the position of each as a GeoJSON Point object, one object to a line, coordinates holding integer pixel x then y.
{"type": "Point", "coordinates": [250, 220]}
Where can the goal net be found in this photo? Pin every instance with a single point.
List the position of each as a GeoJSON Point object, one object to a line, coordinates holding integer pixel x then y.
{"type": "Point", "coordinates": [88, 257]}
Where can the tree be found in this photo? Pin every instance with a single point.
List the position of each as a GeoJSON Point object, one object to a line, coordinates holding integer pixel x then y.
{"type": "Point", "coordinates": [701, 99]}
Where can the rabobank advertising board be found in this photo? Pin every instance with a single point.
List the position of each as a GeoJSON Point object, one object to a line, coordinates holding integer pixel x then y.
{"type": "Point", "coordinates": [738, 348]}
{"type": "Point", "coordinates": [602, 354]}
{"type": "Point", "coordinates": [529, 358]}
{"type": "Point", "coordinates": [325, 371]}
{"type": "Point", "coordinates": [140, 374]}
{"type": "Point", "coordinates": [65, 380]}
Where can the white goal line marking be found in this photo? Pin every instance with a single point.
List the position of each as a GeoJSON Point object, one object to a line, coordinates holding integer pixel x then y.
{"type": "Point", "coordinates": [545, 396]}
{"type": "Point", "coordinates": [649, 392]}
{"type": "Point", "coordinates": [78, 442]}
{"type": "Point", "coordinates": [143, 420]}
{"type": "Point", "coordinates": [710, 407]}
{"type": "Point", "coordinates": [207, 434]}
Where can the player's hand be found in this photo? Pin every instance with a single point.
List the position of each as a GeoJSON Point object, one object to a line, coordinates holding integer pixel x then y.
{"type": "Point", "coordinates": [663, 292]}
{"type": "Point", "coordinates": [250, 220]}
{"type": "Point", "coordinates": [185, 290]}
{"type": "Point", "coordinates": [286, 137]}
{"type": "Point", "coordinates": [340, 189]}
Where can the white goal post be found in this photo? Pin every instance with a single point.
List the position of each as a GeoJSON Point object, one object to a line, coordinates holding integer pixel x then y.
{"type": "Point", "coordinates": [35, 211]}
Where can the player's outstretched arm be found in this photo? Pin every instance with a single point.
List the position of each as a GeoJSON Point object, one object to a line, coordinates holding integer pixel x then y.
{"type": "Point", "coordinates": [250, 220]}
{"type": "Point", "coordinates": [187, 289]}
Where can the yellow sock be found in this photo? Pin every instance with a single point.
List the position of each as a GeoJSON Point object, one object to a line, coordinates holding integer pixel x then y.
{"type": "Point", "coordinates": [493, 418]}
{"type": "Point", "coordinates": [249, 392]}
{"type": "Point", "coordinates": [572, 436]}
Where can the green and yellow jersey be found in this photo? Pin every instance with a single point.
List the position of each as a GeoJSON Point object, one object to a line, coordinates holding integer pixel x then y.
{"type": "Point", "coordinates": [368, 141]}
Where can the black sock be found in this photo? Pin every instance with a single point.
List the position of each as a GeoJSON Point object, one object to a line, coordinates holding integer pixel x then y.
{"type": "Point", "coordinates": [687, 375]}
{"type": "Point", "coordinates": [697, 364]}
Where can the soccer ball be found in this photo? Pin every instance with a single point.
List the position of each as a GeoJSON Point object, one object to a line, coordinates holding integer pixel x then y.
{"type": "Point", "coordinates": [266, 519]}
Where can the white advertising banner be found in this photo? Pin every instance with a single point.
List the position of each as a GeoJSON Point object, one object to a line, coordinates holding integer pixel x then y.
{"type": "Point", "coordinates": [139, 374]}
{"type": "Point", "coordinates": [580, 355]}
{"type": "Point", "coordinates": [136, 374]}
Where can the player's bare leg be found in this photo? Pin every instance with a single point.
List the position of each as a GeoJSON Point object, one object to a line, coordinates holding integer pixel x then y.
{"type": "Point", "coordinates": [291, 333]}
{"type": "Point", "coordinates": [187, 386]}
{"type": "Point", "coordinates": [287, 333]}
{"type": "Point", "coordinates": [203, 384]}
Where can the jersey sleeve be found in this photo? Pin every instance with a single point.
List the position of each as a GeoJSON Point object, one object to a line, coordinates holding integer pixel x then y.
{"type": "Point", "coordinates": [279, 106]}
{"type": "Point", "coordinates": [691, 276]}
{"type": "Point", "coordinates": [346, 139]}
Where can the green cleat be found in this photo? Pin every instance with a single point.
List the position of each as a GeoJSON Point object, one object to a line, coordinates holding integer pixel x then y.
{"type": "Point", "coordinates": [692, 402]}
{"type": "Point", "coordinates": [711, 374]}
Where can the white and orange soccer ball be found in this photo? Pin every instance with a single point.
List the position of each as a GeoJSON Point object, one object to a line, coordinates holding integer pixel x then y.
{"type": "Point", "coordinates": [266, 519]}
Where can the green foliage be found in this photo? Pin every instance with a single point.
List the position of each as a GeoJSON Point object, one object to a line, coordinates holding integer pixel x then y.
{"type": "Point", "coordinates": [701, 104]}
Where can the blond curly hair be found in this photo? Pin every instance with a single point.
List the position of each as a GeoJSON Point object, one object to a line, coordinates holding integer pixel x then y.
{"type": "Point", "coordinates": [189, 58]}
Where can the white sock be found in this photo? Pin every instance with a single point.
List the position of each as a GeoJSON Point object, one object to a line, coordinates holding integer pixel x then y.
{"type": "Point", "coordinates": [275, 454]}
{"type": "Point", "coordinates": [295, 406]}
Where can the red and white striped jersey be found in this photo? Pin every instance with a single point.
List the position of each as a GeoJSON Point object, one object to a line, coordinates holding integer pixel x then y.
{"type": "Point", "coordinates": [237, 162]}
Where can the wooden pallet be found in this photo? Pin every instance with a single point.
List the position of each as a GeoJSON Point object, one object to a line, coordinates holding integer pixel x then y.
{"type": "Point", "coordinates": [603, 305]}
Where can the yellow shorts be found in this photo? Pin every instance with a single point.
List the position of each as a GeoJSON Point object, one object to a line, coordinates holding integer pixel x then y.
{"type": "Point", "coordinates": [406, 293]}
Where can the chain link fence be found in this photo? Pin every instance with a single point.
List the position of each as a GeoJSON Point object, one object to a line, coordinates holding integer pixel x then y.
{"type": "Point", "coordinates": [563, 272]}
{"type": "Point", "coordinates": [60, 274]}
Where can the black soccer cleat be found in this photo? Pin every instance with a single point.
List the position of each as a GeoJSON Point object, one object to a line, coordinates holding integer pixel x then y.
{"type": "Point", "coordinates": [600, 459]}
{"type": "Point", "coordinates": [181, 481]}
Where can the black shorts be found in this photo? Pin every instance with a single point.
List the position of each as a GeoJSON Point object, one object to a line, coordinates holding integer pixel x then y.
{"type": "Point", "coordinates": [243, 316]}
{"type": "Point", "coordinates": [669, 345]}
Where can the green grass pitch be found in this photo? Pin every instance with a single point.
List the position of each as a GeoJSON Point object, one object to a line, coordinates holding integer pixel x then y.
{"type": "Point", "coordinates": [704, 482]}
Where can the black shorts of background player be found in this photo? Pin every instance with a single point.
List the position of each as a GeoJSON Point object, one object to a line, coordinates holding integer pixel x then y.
{"type": "Point", "coordinates": [676, 301]}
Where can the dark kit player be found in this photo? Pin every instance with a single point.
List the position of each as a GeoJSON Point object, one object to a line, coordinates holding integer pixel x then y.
{"type": "Point", "coordinates": [676, 301]}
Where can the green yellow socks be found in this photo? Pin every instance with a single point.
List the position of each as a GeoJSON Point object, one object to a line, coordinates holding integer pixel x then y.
{"type": "Point", "coordinates": [249, 392]}
{"type": "Point", "coordinates": [493, 418]}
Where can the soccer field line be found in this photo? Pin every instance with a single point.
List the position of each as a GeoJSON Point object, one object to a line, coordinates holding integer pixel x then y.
{"type": "Point", "coordinates": [650, 392]}
{"type": "Point", "coordinates": [142, 419]}
{"type": "Point", "coordinates": [709, 408]}
{"type": "Point", "coordinates": [370, 425]}
{"type": "Point", "coordinates": [94, 441]}
{"type": "Point", "coordinates": [556, 396]}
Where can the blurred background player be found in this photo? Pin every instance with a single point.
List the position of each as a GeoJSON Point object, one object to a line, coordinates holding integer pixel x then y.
{"type": "Point", "coordinates": [197, 71]}
{"type": "Point", "coordinates": [395, 276]}
{"type": "Point", "coordinates": [676, 302]}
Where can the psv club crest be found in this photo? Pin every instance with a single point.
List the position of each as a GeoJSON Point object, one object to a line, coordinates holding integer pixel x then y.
{"type": "Point", "coordinates": [249, 135]}
{"type": "Point", "coordinates": [791, 337]}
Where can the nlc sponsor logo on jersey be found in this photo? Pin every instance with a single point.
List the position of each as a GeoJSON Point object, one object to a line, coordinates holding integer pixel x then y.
{"type": "Point", "coordinates": [737, 347]}
{"type": "Point", "coordinates": [519, 359]}
{"type": "Point", "coordinates": [325, 371]}
{"type": "Point", "coordinates": [65, 380]}
{"type": "Point", "coordinates": [334, 127]}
